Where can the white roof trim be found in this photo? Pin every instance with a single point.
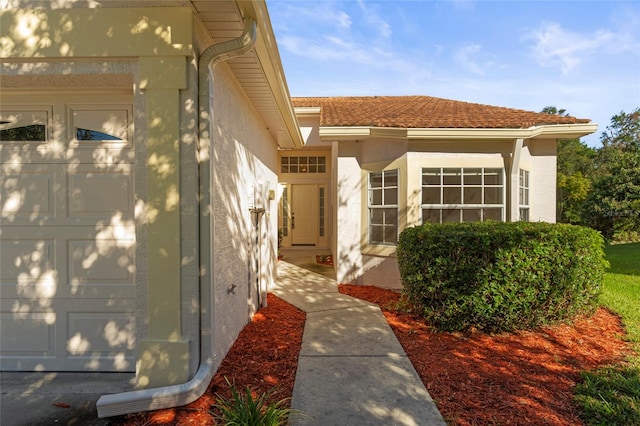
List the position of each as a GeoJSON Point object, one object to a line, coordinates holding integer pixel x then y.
{"type": "Point", "coordinates": [551, 131]}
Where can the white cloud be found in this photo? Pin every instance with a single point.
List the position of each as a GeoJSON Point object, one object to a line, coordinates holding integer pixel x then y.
{"type": "Point", "coordinates": [374, 20]}
{"type": "Point", "coordinates": [467, 56]}
{"type": "Point", "coordinates": [555, 46]}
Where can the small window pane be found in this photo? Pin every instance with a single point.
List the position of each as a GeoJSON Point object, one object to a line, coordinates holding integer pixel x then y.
{"type": "Point", "coordinates": [471, 215]}
{"type": "Point", "coordinates": [493, 214]}
{"type": "Point", "coordinates": [293, 160]}
{"type": "Point", "coordinates": [431, 176]}
{"type": "Point", "coordinates": [391, 196]}
{"type": "Point", "coordinates": [452, 195]}
{"type": "Point", "coordinates": [285, 160]}
{"type": "Point", "coordinates": [32, 133]}
{"type": "Point", "coordinates": [431, 215]}
{"type": "Point", "coordinates": [313, 160]}
{"type": "Point", "coordinates": [321, 168]}
{"type": "Point", "coordinates": [473, 176]}
{"type": "Point", "coordinates": [431, 195]}
{"type": "Point", "coordinates": [391, 178]}
{"type": "Point", "coordinates": [293, 168]}
{"type": "Point", "coordinates": [377, 233]}
{"type": "Point", "coordinates": [451, 177]}
{"type": "Point", "coordinates": [493, 195]}
{"type": "Point", "coordinates": [322, 160]}
{"type": "Point", "coordinates": [390, 234]}
{"type": "Point", "coordinates": [493, 177]}
{"type": "Point", "coordinates": [376, 197]}
{"type": "Point", "coordinates": [377, 216]}
{"type": "Point", "coordinates": [375, 180]}
{"type": "Point", "coordinates": [472, 195]}
{"type": "Point", "coordinates": [450, 215]}
{"type": "Point", "coordinates": [94, 135]}
{"type": "Point", "coordinates": [390, 216]}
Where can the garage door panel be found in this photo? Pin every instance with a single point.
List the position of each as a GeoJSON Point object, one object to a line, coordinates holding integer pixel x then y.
{"type": "Point", "coordinates": [24, 256]}
{"type": "Point", "coordinates": [80, 262]}
{"type": "Point", "coordinates": [103, 262]}
{"type": "Point", "coordinates": [27, 195]}
{"type": "Point", "coordinates": [100, 194]}
{"type": "Point", "coordinates": [27, 334]}
{"type": "Point", "coordinates": [92, 335]}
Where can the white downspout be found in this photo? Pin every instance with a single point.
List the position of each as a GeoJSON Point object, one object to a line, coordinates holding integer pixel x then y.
{"type": "Point", "coordinates": [185, 393]}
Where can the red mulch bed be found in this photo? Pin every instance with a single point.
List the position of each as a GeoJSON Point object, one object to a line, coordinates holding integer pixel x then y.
{"type": "Point", "coordinates": [522, 378]}
{"type": "Point", "coordinates": [263, 357]}
{"type": "Point", "coordinates": [519, 378]}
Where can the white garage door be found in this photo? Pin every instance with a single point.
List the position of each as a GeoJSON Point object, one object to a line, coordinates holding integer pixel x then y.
{"type": "Point", "coordinates": [67, 235]}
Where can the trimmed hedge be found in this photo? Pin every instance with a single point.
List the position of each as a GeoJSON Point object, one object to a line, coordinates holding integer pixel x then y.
{"type": "Point", "coordinates": [495, 276]}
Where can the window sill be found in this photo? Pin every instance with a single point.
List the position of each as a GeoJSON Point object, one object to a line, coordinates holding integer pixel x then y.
{"type": "Point", "coordinates": [379, 250]}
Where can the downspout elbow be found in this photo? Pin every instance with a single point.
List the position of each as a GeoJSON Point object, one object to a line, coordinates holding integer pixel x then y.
{"type": "Point", "coordinates": [185, 393]}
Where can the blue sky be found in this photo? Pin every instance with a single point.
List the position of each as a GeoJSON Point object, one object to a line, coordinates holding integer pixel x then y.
{"type": "Point", "coordinates": [583, 56]}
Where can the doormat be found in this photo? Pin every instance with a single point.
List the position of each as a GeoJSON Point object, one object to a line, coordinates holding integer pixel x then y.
{"type": "Point", "coordinates": [324, 259]}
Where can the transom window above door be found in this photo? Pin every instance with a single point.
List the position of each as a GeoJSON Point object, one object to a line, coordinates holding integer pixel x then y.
{"type": "Point", "coordinates": [462, 194]}
{"type": "Point", "coordinates": [303, 164]}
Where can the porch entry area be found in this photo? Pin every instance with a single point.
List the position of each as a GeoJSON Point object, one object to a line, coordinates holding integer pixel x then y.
{"type": "Point", "coordinates": [303, 215]}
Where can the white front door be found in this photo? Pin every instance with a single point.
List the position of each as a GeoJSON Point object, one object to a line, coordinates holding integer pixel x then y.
{"type": "Point", "coordinates": [68, 233]}
{"type": "Point", "coordinates": [304, 215]}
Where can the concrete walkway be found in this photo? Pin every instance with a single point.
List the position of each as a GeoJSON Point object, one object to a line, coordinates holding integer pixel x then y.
{"type": "Point", "coordinates": [352, 369]}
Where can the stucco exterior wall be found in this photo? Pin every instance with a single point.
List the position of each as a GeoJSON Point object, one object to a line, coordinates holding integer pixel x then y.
{"type": "Point", "coordinates": [361, 263]}
{"type": "Point", "coordinates": [157, 44]}
{"type": "Point", "coordinates": [349, 226]}
{"type": "Point", "coordinates": [243, 170]}
{"type": "Point", "coordinates": [541, 155]}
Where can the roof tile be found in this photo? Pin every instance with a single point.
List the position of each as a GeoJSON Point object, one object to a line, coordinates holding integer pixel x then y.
{"type": "Point", "coordinates": [424, 112]}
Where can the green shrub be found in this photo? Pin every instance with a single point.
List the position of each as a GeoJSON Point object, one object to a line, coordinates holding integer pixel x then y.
{"type": "Point", "coordinates": [248, 409]}
{"type": "Point", "coordinates": [496, 276]}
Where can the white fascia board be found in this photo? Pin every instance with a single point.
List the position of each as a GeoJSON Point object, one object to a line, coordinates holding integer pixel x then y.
{"type": "Point", "coordinates": [555, 131]}
{"type": "Point", "coordinates": [307, 110]}
{"type": "Point", "coordinates": [356, 132]}
{"type": "Point", "coordinates": [552, 131]}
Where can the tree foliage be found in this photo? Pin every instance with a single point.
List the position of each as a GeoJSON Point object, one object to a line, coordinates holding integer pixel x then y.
{"type": "Point", "coordinates": [601, 187]}
{"type": "Point", "coordinates": [613, 205]}
{"type": "Point", "coordinates": [575, 167]}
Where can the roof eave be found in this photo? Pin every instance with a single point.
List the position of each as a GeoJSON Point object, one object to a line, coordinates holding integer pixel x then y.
{"type": "Point", "coordinates": [552, 131]}
{"type": "Point", "coordinates": [269, 57]}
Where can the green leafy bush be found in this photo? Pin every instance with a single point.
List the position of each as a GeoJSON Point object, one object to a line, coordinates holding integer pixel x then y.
{"type": "Point", "coordinates": [495, 276]}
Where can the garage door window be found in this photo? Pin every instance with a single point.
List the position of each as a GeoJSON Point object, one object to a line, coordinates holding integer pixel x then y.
{"type": "Point", "coordinates": [32, 133]}
{"type": "Point", "coordinates": [94, 135]}
{"type": "Point", "coordinates": [23, 125]}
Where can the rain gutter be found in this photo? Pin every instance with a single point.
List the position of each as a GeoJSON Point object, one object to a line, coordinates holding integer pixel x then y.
{"type": "Point", "coordinates": [185, 393]}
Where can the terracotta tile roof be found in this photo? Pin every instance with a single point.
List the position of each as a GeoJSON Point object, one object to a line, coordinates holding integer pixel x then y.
{"type": "Point", "coordinates": [424, 112]}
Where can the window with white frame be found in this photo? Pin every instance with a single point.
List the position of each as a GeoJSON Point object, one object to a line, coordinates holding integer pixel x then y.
{"type": "Point", "coordinates": [462, 194]}
{"type": "Point", "coordinates": [303, 164]}
{"type": "Point", "coordinates": [383, 207]}
{"type": "Point", "coordinates": [523, 195]}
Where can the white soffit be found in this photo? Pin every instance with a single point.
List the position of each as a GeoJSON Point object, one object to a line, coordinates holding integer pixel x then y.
{"type": "Point", "coordinates": [259, 72]}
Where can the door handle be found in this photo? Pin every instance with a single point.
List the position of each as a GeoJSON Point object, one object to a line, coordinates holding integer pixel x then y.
{"type": "Point", "coordinates": [293, 221]}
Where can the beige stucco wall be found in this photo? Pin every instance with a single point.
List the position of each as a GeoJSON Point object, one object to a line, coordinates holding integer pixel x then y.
{"type": "Point", "coordinates": [243, 163]}
{"type": "Point", "coordinates": [539, 157]}
{"type": "Point", "coordinates": [152, 46]}
{"type": "Point", "coordinates": [361, 263]}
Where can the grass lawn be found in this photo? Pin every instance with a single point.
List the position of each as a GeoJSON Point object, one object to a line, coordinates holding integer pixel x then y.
{"type": "Point", "coordinates": [611, 395]}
